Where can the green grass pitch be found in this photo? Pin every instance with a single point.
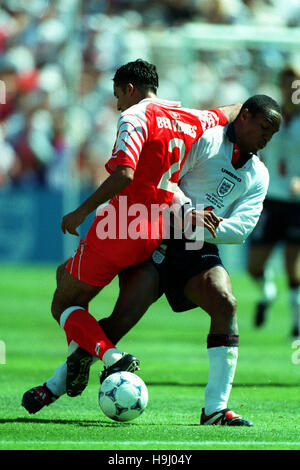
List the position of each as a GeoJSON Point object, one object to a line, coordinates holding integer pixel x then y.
{"type": "Point", "coordinates": [174, 365]}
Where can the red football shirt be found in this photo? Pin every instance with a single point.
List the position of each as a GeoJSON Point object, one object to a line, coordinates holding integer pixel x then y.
{"type": "Point", "coordinates": [154, 138]}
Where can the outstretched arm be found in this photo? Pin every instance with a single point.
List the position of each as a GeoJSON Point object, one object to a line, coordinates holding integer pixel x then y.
{"type": "Point", "coordinates": [231, 111]}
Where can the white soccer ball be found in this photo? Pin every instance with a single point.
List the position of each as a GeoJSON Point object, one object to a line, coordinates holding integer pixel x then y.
{"type": "Point", "coordinates": [123, 396]}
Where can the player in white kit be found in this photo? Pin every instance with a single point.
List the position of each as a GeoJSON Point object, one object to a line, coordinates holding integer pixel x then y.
{"type": "Point", "coordinates": [280, 220]}
{"type": "Point", "coordinates": [223, 173]}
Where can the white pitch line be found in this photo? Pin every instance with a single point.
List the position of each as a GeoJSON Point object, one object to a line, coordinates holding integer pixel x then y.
{"type": "Point", "coordinates": [167, 443]}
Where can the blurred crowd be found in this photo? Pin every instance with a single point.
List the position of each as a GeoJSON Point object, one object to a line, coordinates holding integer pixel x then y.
{"type": "Point", "coordinates": [57, 59]}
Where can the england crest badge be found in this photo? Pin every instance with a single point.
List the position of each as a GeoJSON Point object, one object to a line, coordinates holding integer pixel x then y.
{"type": "Point", "coordinates": [225, 187]}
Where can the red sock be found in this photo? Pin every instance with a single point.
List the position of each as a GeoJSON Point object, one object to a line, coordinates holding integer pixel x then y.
{"type": "Point", "coordinates": [84, 329]}
{"type": "Point", "coordinates": [86, 307]}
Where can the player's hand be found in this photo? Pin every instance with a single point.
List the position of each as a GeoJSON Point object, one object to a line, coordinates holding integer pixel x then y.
{"type": "Point", "coordinates": [71, 221]}
{"type": "Point", "coordinates": [295, 185]}
{"type": "Point", "coordinates": [208, 219]}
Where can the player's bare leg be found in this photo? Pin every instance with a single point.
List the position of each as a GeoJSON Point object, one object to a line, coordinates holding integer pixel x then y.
{"type": "Point", "coordinates": [258, 258]}
{"type": "Point", "coordinates": [292, 263]}
{"type": "Point", "coordinates": [43, 395]}
{"type": "Point", "coordinates": [212, 291]}
{"type": "Point", "coordinates": [60, 271]}
{"type": "Point", "coordinates": [128, 311]}
{"type": "Point", "coordinates": [70, 291]}
{"type": "Point", "coordinates": [139, 288]}
{"type": "Point", "coordinates": [81, 328]}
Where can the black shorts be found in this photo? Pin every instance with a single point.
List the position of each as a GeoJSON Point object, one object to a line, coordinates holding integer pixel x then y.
{"type": "Point", "coordinates": [279, 222]}
{"type": "Point", "coordinates": [179, 266]}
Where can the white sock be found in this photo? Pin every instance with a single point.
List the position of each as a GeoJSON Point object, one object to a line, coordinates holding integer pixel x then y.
{"type": "Point", "coordinates": [295, 306]}
{"type": "Point", "coordinates": [222, 365]}
{"type": "Point", "coordinates": [57, 383]}
{"type": "Point", "coordinates": [111, 356]}
{"type": "Point", "coordinates": [267, 287]}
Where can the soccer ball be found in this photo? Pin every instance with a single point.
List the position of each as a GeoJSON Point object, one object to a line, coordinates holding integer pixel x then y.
{"type": "Point", "coordinates": [123, 396]}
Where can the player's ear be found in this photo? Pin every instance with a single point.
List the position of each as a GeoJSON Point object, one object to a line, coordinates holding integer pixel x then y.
{"type": "Point", "coordinates": [130, 88]}
{"type": "Point", "coordinates": [245, 114]}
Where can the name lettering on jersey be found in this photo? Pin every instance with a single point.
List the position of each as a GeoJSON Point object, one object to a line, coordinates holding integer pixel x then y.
{"type": "Point", "coordinates": [208, 119]}
{"type": "Point", "coordinates": [231, 174]}
{"type": "Point", "coordinates": [176, 126]}
{"type": "Point", "coordinates": [175, 115]}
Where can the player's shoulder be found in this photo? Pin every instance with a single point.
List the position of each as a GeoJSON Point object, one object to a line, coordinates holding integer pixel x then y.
{"type": "Point", "coordinates": [260, 171]}
{"type": "Point", "coordinates": [215, 133]}
{"type": "Point", "coordinates": [134, 116]}
{"type": "Point", "coordinates": [147, 106]}
{"type": "Point", "coordinates": [134, 110]}
{"type": "Point", "coordinates": [259, 165]}
{"type": "Point", "coordinates": [155, 104]}
{"type": "Point", "coordinates": [214, 136]}
{"type": "Point", "coordinates": [210, 143]}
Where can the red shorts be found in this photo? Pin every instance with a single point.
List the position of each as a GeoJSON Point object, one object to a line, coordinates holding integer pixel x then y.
{"type": "Point", "coordinates": [97, 262]}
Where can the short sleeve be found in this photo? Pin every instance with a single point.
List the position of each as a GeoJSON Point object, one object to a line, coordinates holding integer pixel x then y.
{"type": "Point", "coordinates": [131, 135]}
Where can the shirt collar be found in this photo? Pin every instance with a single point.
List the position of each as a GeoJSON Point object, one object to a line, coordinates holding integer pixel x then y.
{"type": "Point", "coordinates": [176, 104]}
{"type": "Point", "coordinates": [238, 159]}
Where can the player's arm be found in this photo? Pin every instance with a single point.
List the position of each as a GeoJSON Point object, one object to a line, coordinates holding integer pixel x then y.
{"type": "Point", "coordinates": [220, 116]}
{"type": "Point", "coordinates": [185, 213]}
{"type": "Point", "coordinates": [131, 135]}
{"type": "Point", "coordinates": [115, 183]}
{"type": "Point", "coordinates": [231, 111]}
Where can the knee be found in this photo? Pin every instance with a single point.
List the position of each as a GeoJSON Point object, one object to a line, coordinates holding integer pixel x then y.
{"type": "Point", "coordinates": [60, 271]}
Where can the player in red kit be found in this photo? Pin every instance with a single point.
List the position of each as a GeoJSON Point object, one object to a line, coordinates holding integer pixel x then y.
{"type": "Point", "coordinates": [153, 139]}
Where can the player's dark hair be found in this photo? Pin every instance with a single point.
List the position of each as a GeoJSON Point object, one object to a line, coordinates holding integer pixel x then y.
{"type": "Point", "coordinates": [140, 73]}
{"type": "Point", "coordinates": [261, 104]}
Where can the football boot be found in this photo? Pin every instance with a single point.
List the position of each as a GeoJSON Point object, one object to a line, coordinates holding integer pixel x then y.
{"type": "Point", "coordinates": [127, 363]}
{"type": "Point", "coordinates": [224, 417]}
{"type": "Point", "coordinates": [78, 371]}
{"type": "Point", "coordinates": [37, 397]}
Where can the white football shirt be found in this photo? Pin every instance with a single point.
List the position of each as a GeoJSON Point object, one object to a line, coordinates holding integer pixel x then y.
{"type": "Point", "coordinates": [208, 177]}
